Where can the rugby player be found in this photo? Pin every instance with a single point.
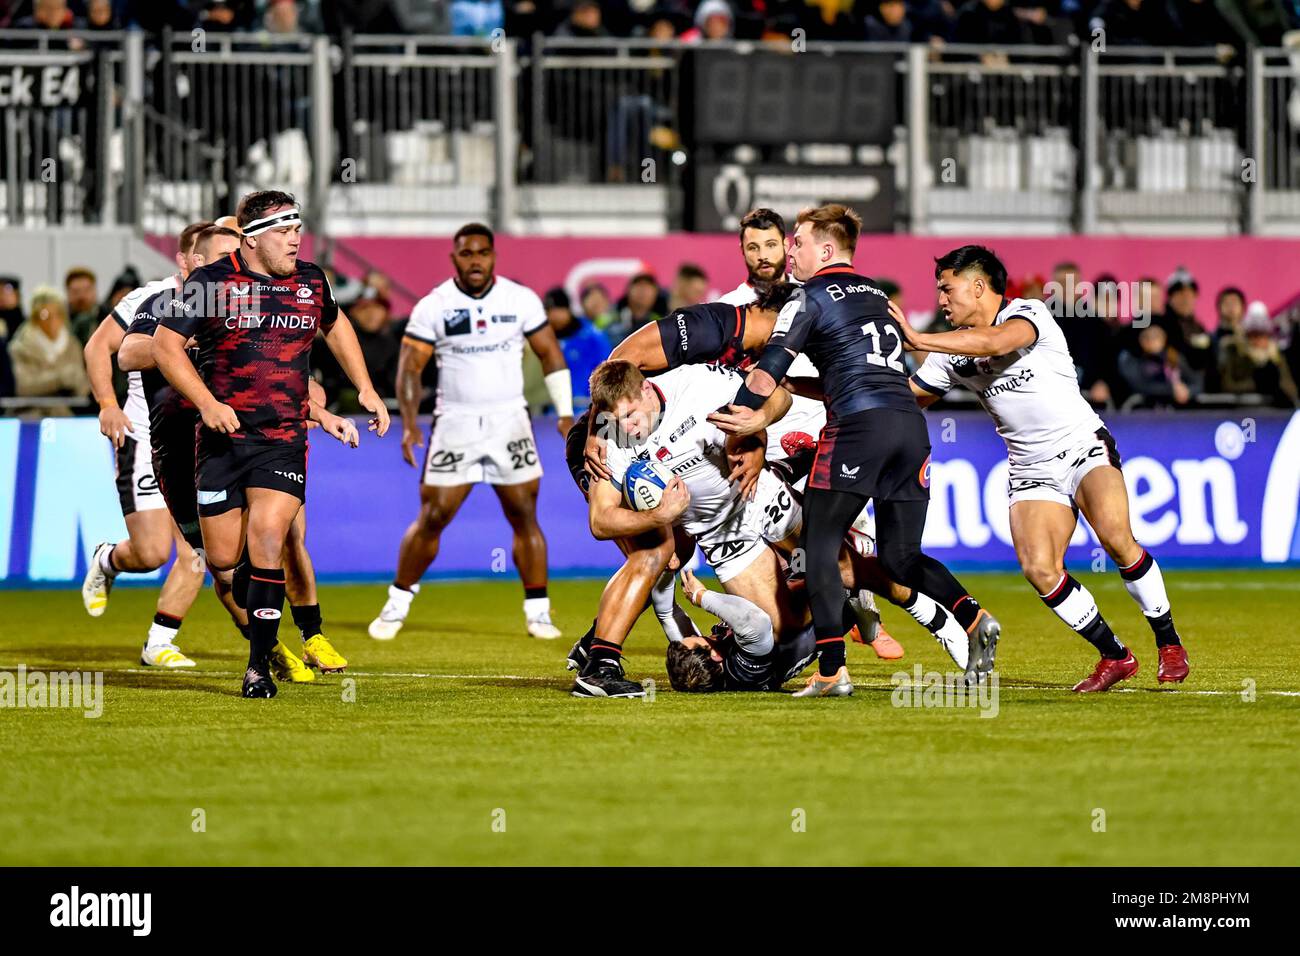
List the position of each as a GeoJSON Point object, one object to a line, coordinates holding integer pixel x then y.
{"type": "Point", "coordinates": [762, 244]}
{"type": "Point", "coordinates": [173, 422]}
{"type": "Point", "coordinates": [1063, 461]}
{"type": "Point", "coordinates": [742, 653]}
{"type": "Point", "coordinates": [874, 445]}
{"type": "Point", "coordinates": [732, 336]}
{"type": "Point", "coordinates": [254, 315]}
{"type": "Point", "coordinates": [475, 324]}
{"type": "Point", "coordinates": [665, 420]}
{"type": "Point", "coordinates": [149, 528]}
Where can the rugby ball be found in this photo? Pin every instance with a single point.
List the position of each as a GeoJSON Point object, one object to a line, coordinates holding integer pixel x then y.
{"type": "Point", "coordinates": [644, 484]}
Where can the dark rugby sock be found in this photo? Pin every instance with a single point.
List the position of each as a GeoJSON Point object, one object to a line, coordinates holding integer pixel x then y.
{"type": "Point", "coordinates": [265, 606]}
{"type": "Point", "coordinates": [308, 619]}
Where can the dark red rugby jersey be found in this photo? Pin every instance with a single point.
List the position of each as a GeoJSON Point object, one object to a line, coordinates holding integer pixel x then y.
{"type": "Point", "coordinates": [254, 334]}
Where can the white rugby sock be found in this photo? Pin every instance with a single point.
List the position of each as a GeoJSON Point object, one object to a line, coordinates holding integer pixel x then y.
{"type": "Point", "coordinates": [536, 607]}
{"type": "Point", "coordinates": [160, 634]}
{"type": "Point", "coordinates": [1146, 585]}
{"type": "Point", "coordinates": [106, 562]}
{"type": "Point", "coordinates": [663, 599]}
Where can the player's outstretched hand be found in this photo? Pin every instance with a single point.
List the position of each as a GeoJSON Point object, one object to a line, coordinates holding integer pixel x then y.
{"type": "Point", "coordinates": [674, 501]}
{"type": "Point", "coordinates": [903, 326]}
{"type": "Point", "coordinates": [113, 425]}
{"type": "Point", "coordinates": [692, 587]}
{"type": "Point", "coordinates": [738, 420]}
{"type": "Point", "coordinates": [411, 440]}
{"type": "Point", "coordinates": [369, 400]}
{"type": "Point", "coordinates": [593, 457]}
{"type": "Point", "coordinates": [341, 428]}
{"type": "Point", "coordinates": [220, 418]}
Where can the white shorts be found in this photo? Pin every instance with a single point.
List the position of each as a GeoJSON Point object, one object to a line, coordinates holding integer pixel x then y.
{"type": "Point", "coordinates": [466, 448]}
{"type": "Point", "coordinates": [738, 542]}
{"type": "Point", "coordinates": [137, 486]}
{"type": "Point", "coordinates": [1058, 478]}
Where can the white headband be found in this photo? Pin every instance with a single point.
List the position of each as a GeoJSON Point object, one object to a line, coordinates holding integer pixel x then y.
{"type": "Point", "coordinates": [289, 217]}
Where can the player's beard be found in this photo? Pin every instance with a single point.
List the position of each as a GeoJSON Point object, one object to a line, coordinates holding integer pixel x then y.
{"type": "Point", "coordinates": [759, 282]}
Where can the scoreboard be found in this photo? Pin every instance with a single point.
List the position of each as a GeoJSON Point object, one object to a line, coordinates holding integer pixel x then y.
{"type": "Point", "coordinates": [772, 98]}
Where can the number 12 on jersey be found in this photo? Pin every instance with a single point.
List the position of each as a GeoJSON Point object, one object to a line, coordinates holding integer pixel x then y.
{"type": "Point", "coordinates": [871, 331]}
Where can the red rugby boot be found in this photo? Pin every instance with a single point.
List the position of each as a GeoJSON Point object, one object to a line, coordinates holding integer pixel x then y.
{"type": "Point", "coordinates": [1107, 674]}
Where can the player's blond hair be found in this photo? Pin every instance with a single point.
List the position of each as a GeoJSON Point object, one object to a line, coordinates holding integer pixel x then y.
{"type": "Point", "coordinates": [833, 221]}
{"type": "Point", "coordinates": [612, 382]}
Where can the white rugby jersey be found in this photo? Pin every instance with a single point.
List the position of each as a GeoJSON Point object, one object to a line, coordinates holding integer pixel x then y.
{"type": "Point", "coordinates": [686, 444]}
{"type": "Point", "coordinates": [1031, 394]}
{"type": "Point", "coordinates": [478, 342]}
{"type": "Point", "coordinates": [805, 415]}
{"type": "Point", "coordinates": [136, 408]}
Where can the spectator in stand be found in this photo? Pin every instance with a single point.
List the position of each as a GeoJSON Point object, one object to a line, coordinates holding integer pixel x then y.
{"type": "Point", "coordinates": [584, 345]}
{"type": "Point", "coordinates": [83, 302]}
{"type": "Point", "coordinates": [713, 21]}
{"type": "Point", "coordinates": [361, 16]}
{"type": "Point", "coordinates": [831, 20]}
{"type": "Point", "coordinates": [100, 15]}
{"type": "Point", "coordinates": [989, 21]}
{"type": "Point", "coordinates": [128, 280]}
{"type": "Point", "coordinates": [889, 23]}
{"type": "Point", "coordinates": [46, 356]}
{"type": "Point", "coordinates": [932, 20]}
{"type": "Point", "coordinates": [690, 287]}
{"type": "Point", "coordinates": [1251, 361]}
{"type": "Point", "coordinates": [1132, 23]}
{"type": "Point", "coordinates": [226, 15]}
{"type": "Point", "coordinates": [1156, 371]}
{"type": "Point", "coordinates": [1199, 23]}
{"type": "Point", "coordinates": [281, 16]}
{"type": "Point", "coordinates": [1231, 306]}
{"type": "Point", "coordinates": [11, 302]}
{"type": "Point", "coordinates": [6, 366]}
{"type": "Point", "coordinates": [596, 305]}
{"type": "Point", "coordinates": [1186, 334]}
{"type": "Point", "coordinates": [662, 27]}
{"type": "Point", "coordinates": [586, 21]}
{"type": "Point", "coordinates": [638, 308]}
{"type": "Point", "coordinates": [49, 15]}
{"type": "Point", "coordinates": [1102, 341]}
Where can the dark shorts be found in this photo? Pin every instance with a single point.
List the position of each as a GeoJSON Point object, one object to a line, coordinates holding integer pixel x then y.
{"type": "Point", "coordinates": [226, 468]}
{"type": "Point", "coordinates": [574, 444]}
{"type": "Point", "coordinates": [882, 453]}
{"type": "Point", "coordinates": [173, 464]}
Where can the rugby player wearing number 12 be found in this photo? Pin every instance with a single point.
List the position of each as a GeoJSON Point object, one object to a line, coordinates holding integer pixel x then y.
{"type": "Point", "coordinates": [874, 445]}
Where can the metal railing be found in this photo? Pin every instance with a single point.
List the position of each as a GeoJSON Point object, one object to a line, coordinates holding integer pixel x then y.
{"type": "Point", "coordinates": [398, 133]}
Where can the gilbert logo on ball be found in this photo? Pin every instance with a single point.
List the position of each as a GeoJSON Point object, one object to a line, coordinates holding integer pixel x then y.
{"type": "Point", "coordinates": [644, 484]}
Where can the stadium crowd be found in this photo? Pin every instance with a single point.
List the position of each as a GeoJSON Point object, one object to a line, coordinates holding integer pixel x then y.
{"type": "Point", "coordinates": [1170, 361]}
{"type": "Point", "coordinates": [1002, 22]}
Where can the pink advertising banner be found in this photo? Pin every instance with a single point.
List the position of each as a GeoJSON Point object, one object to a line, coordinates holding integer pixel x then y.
{"type": "Point", "coordinates": [1262, 267]}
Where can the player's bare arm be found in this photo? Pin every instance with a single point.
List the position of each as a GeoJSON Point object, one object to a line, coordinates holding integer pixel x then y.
{"type": "Point", "coordinates": [593, 453]}
{"type": "Point", "coordinates": [342, 341]}
{"type": "Point", "coordinates": [99, 351]}
{"type": "Point", "coordinates": [1013, 334]}
{"type": "Point", "coordinates": [336, 426]}
{"type": "Point", "coordinates": [136, 352]}
{"type": "Point", "coordinates": [644, 348]}
{"type": "Point", "coordinates": [746, 455]}
{"type": "Point", "coordinates": [169, 355]}
{"type": "Point", "coordinates": [740, 420]}
{"type": "Point", "coordinates": [559, 384]}
{"type": "Point", "coordinates": [610, 519]}
{"type": "Point", "coordinates": [411, 360]}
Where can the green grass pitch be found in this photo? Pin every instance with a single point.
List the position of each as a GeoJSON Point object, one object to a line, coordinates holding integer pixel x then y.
{"type": "Point", "coordinates": [462, 745]}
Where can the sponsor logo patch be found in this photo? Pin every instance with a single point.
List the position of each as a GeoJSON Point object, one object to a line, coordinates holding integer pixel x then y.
{"type": "Point", "coordinates": [266, 613]}
{"type": "Point", "coordinates": [211, 497]}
